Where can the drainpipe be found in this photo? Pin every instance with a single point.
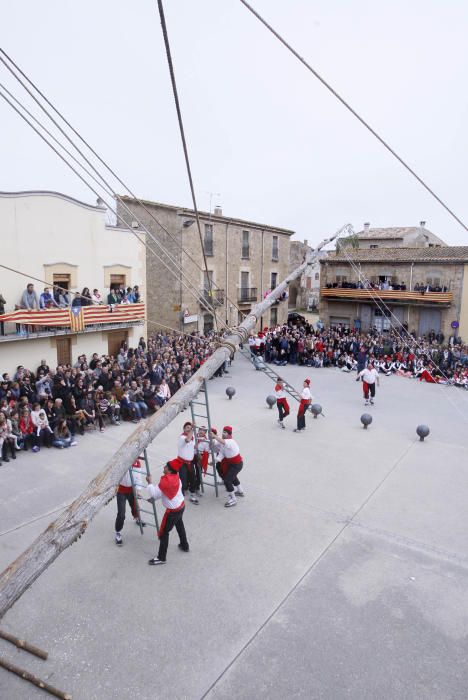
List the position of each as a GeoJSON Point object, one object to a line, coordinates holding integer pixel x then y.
{"type": "Point", "coordinates": [226, 291]}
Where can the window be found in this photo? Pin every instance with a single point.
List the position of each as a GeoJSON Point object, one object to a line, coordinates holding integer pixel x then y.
{"type": "Point", "coordinates": [274, 248]}
{"type": "Point", "coordinates": [208, 241]}
{"type": "Point", "coordinates": [273, 316]}
{"type": "Point", "coordinates": [373, 245]}
{"type": "Point", "coordinates": [116, 281]}
{"type": "Point", "coordinates": [308, 283]}
{"type": "Point", "coordinates": [245, 245]}
{"type": "Point", "coordinates": [273, 280]}
{"type": "Point", "coordinates": [207, 279]}
{"type": "Point", "coordinates": [61, 280]}
{"type": "Point", "coordinates": [208, 324]}
{"type": "Point", "coordinates": [341, 278]}
{"type": "Point", "coordinates": [244, 280]}
{"type": "Point", "coordinates": [317, 275]}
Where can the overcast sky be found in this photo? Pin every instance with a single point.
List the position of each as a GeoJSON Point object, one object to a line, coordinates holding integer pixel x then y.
{"type": "Point", "coordinates": [261, 130]}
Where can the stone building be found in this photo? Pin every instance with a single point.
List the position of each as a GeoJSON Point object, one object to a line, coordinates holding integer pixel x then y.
{"type": "Point", "coordinates": [393, 237]}
{"type": "Point", "coordinates": [408, 278]}
{"type": "Point", "coordinates": [245, 260]}
{"type": "Point", "coordinates": [304, 293]}
{"type": "Point", "coordinates": [52, 237]}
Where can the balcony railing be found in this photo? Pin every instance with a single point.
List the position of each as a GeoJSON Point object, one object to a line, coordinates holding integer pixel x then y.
{"type": "Point", "coordinates": [410, 297]}
{"type": "Point", "coordinates": [215, 297]}
{"type": "Point", "coordinates": [24, 324]}
{"type": "Point", "coordinates": [247, 294]}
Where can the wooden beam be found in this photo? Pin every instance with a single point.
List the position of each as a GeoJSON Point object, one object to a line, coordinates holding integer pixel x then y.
{"type": "Point", "coordinates": [73, 521]}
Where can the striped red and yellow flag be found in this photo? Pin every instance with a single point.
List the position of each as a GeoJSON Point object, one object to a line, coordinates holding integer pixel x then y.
{"type": "Point", "coordinates": [76, 318]}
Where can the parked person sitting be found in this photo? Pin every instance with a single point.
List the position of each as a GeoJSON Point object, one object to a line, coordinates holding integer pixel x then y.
{"type": "Point", "coordinates": [88, 408]}
{"type": "Point", "coordinates": [28, 430]}
{"type": "Point", "coordinates": [7, 439]}
{"type": "Point", "coordinates": [62, 435]}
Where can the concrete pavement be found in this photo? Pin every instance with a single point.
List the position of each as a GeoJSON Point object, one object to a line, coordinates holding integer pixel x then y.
{"type": "Point", "coordinates": [342, 574]}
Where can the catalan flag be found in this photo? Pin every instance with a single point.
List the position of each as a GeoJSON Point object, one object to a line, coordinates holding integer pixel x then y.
{"type": "Point", "coordinates": [76, 319]}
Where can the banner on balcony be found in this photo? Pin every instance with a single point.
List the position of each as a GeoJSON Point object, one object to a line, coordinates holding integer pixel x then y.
{"type": "Point", "coordinates": [78, 317]}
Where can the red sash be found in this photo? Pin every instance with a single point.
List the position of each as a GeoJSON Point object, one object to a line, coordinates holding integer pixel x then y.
{"type": "Point", "coordinates": [162, 527]}
{"type": "Point", "coordinates": [228, 461]}
{"type": "Point", "coordinates": [303, 407]}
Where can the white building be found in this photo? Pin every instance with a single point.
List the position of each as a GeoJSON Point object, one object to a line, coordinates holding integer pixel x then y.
{"type": "Point", "coordinates": [50, 236]}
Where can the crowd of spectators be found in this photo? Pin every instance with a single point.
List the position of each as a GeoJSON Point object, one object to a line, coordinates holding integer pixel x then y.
{"type": "Point", "coordinates": [51, 407]}
{"type": "Point", "coordinates": [385, 285]}
{"type": "Point", "coordinates": [428, 358]}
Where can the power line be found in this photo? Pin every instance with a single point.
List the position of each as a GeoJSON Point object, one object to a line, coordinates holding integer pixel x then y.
{"type": "Point", "coordinates": [184, 142]}
{"type": "Point", "coordinates": [118, 216]}
{"type": "Point", "coordinates": [353, 112]}
{"type": "Point", "coordinates": [99, 158]}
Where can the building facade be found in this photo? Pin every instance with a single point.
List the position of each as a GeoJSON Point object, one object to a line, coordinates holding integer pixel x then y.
{"type": "Point", "coordinates": [245, 260]}
{"type": "Point", "coordinates": [424, 288]}
{"type": "Point", "coordinates": [393, 237]}
{"type": "Point", "coordinates": [304, 293]}
{"type": "Point", "coordinates": [52, 237]}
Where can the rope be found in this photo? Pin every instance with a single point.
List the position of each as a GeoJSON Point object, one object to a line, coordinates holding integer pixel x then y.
{"type": "Point", "coordinates": [184, 142]}
{"type": "Point", "coordinates": [113, 173]}
{"type": "Point", "coordinates": [354, 113]}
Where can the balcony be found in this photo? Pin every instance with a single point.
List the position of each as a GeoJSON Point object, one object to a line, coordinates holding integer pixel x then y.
{"type": "Point", "coordinates": [389, 295]}
{"type": "Point", "coordinates": [245, 295]}
{"type": "Point", "coordinates": [213, 298]}
{"type": "Point", "coordinates": [27, 325]}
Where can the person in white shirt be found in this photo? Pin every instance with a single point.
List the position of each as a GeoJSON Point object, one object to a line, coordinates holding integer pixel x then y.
{"type": "Point", "coordinates": [229, 465]}
{"type": "Point", "coordinates": [369, 377]}
{"type": "Point", "coordinates": [189, 473]}
{"type": "Point", "coordinates": [169, 490]}
{"type": "Point", "coordinates": [281, 402]}
{"type": "Point", "coordinates": [125, 493]}
{"type": "Point", "coordinates": [306, 398]}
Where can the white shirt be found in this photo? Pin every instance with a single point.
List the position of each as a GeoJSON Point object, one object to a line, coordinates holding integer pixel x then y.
{"type": "Point", "coordinates": [185, 450]}
{"type": "Point", "coordinates": [156, 493]}
{"type": "Point", "coordinates": [306, 395]}
{"type": "Point", "coordinates": [127, 481]}
{"type": "Point", "coordinates": [369, 376]}
{"type": "Point", "coordinates": [280, 393]}
{"type": "Point", "coordinates": [229, 449]}
{"type": "Point", "coordinates": [203, 445]}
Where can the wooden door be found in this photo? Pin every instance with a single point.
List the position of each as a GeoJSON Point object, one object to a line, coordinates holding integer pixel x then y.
{"type": "Point", "coordinates": [63, 351]}
{"type": "Point", "coordinates": [114, 341]}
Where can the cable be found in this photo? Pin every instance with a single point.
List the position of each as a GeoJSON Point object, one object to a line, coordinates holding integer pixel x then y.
{"type": "Point", "coordinates": [118, 216]}
{"type": "Point", "coordinates": [106, 186]}
{"type": "Point", "coordinates": [353, 112]}
{"type": "Point", "coordinates": [113, 173]}
{"type": "Point", "coordinates": [184, 142]}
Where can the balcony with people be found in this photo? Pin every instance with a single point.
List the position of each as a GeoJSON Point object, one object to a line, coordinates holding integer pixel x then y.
{"type": "Point", "coordinates": [58, 311]}
{"type": "Point", "coordinates": [432, 290]}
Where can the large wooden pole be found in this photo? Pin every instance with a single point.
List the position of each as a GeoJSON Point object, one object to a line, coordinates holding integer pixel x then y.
{"type": "Point", "coordinates": [74, 520]}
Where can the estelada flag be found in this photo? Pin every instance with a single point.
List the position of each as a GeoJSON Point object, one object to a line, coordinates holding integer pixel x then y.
{"type": "Point", "coordinates": [76, 318]}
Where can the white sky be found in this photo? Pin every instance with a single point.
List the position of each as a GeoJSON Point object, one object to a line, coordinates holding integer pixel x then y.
{"type": "Point", "coordinates": [261, 130]}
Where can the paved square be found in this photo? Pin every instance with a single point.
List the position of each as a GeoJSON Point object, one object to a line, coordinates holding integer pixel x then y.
{"type": "Point", "coordinates": [342, 574]}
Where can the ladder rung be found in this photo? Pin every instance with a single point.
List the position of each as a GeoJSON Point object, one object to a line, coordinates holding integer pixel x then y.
{"type": "Point", "coordinates": [200, 415]}
{"type": "Point", "coordinates": [198, 403]}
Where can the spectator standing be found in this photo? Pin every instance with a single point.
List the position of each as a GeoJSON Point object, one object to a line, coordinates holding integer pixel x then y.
{"type": "Point", "coordinates": [2, 312]}
{"type": "Point", "coordinates": [96, 297]}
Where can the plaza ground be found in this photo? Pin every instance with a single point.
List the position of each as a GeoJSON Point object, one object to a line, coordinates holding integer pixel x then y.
{"type": "Point", "coordinates": [343, 573]}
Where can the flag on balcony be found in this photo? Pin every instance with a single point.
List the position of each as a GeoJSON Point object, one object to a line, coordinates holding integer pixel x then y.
{"type": "Point", "coordinates": [76, 319]}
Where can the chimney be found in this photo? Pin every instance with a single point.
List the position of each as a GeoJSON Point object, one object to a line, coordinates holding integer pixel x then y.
{"type": "Point", "coordinates": [366, 227]}
{"type": "Point", "coordinates": [422, 224]}
{"type": "Point", "coordinates": [218, 210]}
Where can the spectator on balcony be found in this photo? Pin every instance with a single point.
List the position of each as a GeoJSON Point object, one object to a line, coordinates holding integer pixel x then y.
{"type": "Point", "coordinates": [86, 299]}
{"type": "Point", "coordinates": [29, 298]}
{"type": "Point", "coordinates": [2, 312]}
{"type": "Point", "coordinates": [113, 298]}
{"type": "Point", "coordinates": [46, 300]}
{"type": "Point", "coordinates": [136, 294]}
{"type": "Point", "coordinates": [96, 297]}
{"type": "Point", "coordinates": [77, 301]}
{"type": "Point", "coordinates": [61, 297]}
